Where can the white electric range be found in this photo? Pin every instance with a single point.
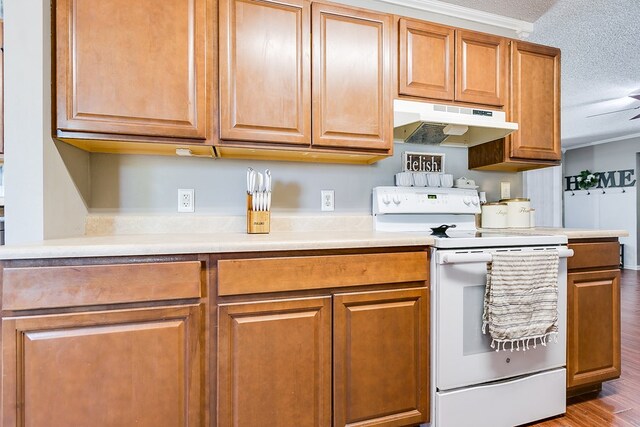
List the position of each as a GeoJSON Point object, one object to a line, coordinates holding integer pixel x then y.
{"type": "Point", "coordinates": [471, 383]}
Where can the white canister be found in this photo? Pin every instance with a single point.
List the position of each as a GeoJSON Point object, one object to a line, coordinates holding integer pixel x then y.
{"type": "Point", "coordinates": [518, 212]}
{"type": "Point", "coordinates": [494, 215]}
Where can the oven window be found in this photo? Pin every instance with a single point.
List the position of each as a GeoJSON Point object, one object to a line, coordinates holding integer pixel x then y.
{"type": "Point", "coordinates": [474, 341]}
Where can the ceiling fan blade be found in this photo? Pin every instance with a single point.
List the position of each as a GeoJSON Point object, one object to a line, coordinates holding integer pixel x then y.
{"type": "Point", "coordinates": [611, 112]}
{"type": "Point", "coordinates": [635, 96]}
{"type": "Point", "coordinates": [635, 117]}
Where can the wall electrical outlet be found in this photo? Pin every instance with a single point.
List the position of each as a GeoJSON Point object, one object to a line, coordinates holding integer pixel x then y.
{"type": "Point", "coordinates": [186, 202]}
{"type": "Point", "coordinates": [328, 198]}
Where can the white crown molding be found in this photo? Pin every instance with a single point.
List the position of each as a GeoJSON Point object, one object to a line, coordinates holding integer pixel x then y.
{"type": "Point", "coordinates": [522, 28]}
{"type": "Point", "coordinates": [602, 141]}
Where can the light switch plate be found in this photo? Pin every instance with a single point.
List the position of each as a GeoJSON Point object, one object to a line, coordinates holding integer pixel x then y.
{"type": "Point", "coordinates": [505, 190]}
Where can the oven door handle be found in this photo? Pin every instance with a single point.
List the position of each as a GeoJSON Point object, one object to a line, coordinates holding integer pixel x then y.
{"type": "Point", "coordinates": [470, 257]}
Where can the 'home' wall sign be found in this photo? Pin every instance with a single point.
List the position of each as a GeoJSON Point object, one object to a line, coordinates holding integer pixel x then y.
{"type": "Point", "coordinates": [609, 179]}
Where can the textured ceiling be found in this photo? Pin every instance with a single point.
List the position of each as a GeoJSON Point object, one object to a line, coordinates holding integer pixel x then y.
{"type": "Point", "coordinates": [600, 43]}
{"type": "Point", "coordinates": [527, 10]}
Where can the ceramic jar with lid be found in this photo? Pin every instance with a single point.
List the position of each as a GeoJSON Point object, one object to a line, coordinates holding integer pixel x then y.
{"type": "Point", "coordinates": [494, 215]}
{"type": "Point", "coordinates": [518, 212]}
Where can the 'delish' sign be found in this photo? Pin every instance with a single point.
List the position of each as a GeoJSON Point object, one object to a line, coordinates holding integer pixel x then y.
{"type": "Point", "coordinates": [422, 162]}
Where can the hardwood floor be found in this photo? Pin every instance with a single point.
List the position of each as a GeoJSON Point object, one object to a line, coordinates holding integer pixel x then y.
{"type": "Point", "coordinates": [618, 404]}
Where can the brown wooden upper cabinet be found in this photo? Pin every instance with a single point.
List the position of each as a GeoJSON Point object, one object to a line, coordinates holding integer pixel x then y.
{"type": "Point", "coordinates": [535, 105]}
{"type": "Point", "coordinates": [265, 71]}
{"type": "Point", "coordinates": [448, 64]}
{"type": "Point", "coordinates": [426, 56]}
{"type": "Point", "coordinates": [132, 68]}
{"type": "Point", "coordinates": [481, 68]}
{"type": "Point", "coordinates": [351, 81]}
{"type": "Point", "coordinates": [268, 97]}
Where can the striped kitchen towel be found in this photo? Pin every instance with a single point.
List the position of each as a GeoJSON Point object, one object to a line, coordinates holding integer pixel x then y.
{"type": "Point", "coordinates": [521, 299]}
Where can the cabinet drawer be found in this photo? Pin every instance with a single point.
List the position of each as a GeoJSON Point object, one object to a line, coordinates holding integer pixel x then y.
{"type": "Point", "coordinates": [248, 276]}
{"type": "Point", "coordinates": [66, 286]}
{"type": "Point", "coordinates": [594, 255]}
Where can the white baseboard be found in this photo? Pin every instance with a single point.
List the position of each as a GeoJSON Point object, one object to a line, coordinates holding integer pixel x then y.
{"type": "Point", "coordinates": [631, 267]}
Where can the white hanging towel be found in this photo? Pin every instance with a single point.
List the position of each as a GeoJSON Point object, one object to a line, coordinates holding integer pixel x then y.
{"type": "Point", "coordinates": [521, 299]}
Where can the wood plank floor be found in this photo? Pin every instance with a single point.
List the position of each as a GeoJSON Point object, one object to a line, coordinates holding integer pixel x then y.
{"type": "Point", "coordinates": [618, 404]}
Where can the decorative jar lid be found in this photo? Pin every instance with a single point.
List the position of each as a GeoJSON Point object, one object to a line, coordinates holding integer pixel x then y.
{"type": "Point", "coordinates": [517, 199]}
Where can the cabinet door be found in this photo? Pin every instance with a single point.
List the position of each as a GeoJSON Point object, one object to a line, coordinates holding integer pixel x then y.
{"type": "Point", "coordinates": [132, 67]}
{"type": "Point", "coordinates": [381, 358]}
{"type": "Point", "coordinates": [535, 101]}
{"type": "Point", "coordinates": [352, 101]}
{"type": "Point", "coordinates": [265, 63]}
{"type": "Point", "coordinates": [136, 367]}
{"type": "Point", "coordinates": [274, 363]}
{"type": "Point", "coordinates": [593, 322]}
{"type": "Point", "coordinates": [481, 68]}
{"type": "Point", "coordinates": [426, 58]}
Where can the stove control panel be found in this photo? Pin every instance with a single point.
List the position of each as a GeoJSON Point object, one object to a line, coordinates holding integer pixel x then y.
{"type": "Point", "coordinates": [424, 200]}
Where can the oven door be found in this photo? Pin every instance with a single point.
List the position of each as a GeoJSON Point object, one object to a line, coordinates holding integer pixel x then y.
{"type": "Point", "coordinates": [463, 354]}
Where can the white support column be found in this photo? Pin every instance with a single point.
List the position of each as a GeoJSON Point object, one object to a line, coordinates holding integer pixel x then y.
{"type": "Point", "coordinates": [41, 200]}
{"type": "Point", "coordinates": [544, 188]}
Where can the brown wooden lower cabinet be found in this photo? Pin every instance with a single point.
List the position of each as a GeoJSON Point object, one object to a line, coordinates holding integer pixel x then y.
{"type": "Point", "coordinates": [275, 360]}
{"type": "Point", "coordinates": [593, 315]}
{"type": "Point", "coordinates": [323, 338]}
{"type": "Point", "coordinates": [274, 363]}
{"type": "Point", "coordinates": [135, 367]}
{"type": "Point", "coordinates": [381, 358]}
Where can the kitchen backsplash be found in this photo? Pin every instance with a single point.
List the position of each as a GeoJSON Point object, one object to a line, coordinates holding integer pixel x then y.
{"type": "Point", "coordinates": [148, 184]}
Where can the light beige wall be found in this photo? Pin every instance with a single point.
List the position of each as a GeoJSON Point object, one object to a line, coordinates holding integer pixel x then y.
{"type": "Point", "coordinates": [148, 184]}
{"type": "Point", "coordinates": [41, 199]}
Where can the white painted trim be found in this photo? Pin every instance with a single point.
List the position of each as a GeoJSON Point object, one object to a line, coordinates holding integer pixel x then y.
{"type": "Point", "coordinates": [631, 267]}
{"type": "Point", "coordinates": [604, 141]}
{"type": "Point", "coordinates": [522, 28]}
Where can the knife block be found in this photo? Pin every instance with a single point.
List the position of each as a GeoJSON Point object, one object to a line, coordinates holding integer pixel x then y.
{"type": "Point", "coordinates": [258, 222]}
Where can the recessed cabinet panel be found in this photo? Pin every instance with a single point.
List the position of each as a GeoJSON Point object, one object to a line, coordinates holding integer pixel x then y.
{"type": "Point", "coordinates": [265, 84]}
{"type": "Point", "coordinates": [137, 367]}
{"type": "Point", "coordinates": [381, 347]}
{"type": "Point", "coordinates": [352, 78]}
{"type": "Point", "coordinates": [593, 353]}
{"type": "Point", "coordinates": [535, 101]}
{"type": "Point", "coordinates": [426, 60]}
{"type": "Point", "coordinates": [132, 67]}
{"type": "Point", "coordinates": [274, 363]}
{"type": "Point", "coordinates": [481, 68]}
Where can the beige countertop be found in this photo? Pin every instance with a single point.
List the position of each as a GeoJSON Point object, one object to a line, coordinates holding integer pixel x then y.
{"type": "Point", "coordinates": [168, 244]}
{"type": "Point", "coordinates": [131, 235]}
{"type": "Point", "coordinates": [571, 233]}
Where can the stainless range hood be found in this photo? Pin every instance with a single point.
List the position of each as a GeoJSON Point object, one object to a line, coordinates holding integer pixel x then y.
{"type": "Point", "coordinates": [438, 124]}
